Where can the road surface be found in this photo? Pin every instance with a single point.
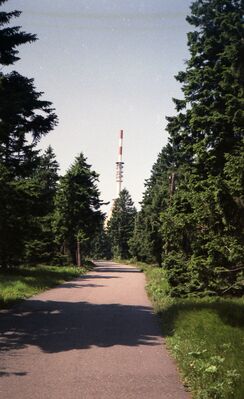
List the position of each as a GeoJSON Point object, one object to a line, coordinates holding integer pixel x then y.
{"type": "Point", "coordinates": [94, 337]}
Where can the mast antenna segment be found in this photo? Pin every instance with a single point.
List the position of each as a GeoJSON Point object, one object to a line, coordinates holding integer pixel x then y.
{"type": "Point", "coordinates": [119, 164]}
{"type": "Point", "coordinates": [119, 177]}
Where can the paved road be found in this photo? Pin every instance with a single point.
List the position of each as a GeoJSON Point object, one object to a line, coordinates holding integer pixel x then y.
{"type": "Point", "coordinates": [94, 337]}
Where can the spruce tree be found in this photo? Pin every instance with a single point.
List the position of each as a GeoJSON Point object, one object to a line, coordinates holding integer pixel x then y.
{"type": "Point", "coordinates": [121, 225]}
{"type": "Point", "coordinates": [77, 210]}
{"type": "Point", "coordinates": [147, 242]}
{"type": "Point", "coordinates": [24, 119]}
{"type": "Point", "coordinates": [192, 209]}
{"type": "Point", "coordinates": [199, 227]}
{"type": "Point", "coordinates": [40, 246]}
{"type": "Point", "coordinates": [11, 37]}
{"type": "Point", "coordinates": [100, 245]}
{"type": "Point", "coordinates": [210, 118]}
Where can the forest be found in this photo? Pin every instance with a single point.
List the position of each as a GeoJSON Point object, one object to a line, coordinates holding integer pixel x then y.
{"type": "Point", "coordinates": [192, 210]}
{"type": "Point", "coordinates": [187, 236]}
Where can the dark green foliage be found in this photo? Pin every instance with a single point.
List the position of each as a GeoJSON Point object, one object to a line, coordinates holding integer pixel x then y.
{"type": "Point", "coordinates": [205, 335]}
{"type": "Point", "coordinates": [210, 118]}
{"type": "Point", "coordinates": [24, 119]}
{"type": "Point", "coordinates": [139, 244]}
{"type": "Point", "coordinates": [12, 211]}
{"type": "Point", "coordinates": [200, 196]}
{"type": "Point", "coordinates": [100, 245]}
{"type": "Point", "coordinates": [41, 247]}
{"type": "Point", "coordinates": [204, 241]}
{"type": "Point", "coordinates": [146, 243]}
{"type": "Point", "coordinates": [11, 37]}
{"type": "Point", "coordinates": [121, 225]}
{"type": "Point", "coordinates": [202, 228]}
{"type": "Point", "coordinates": [77, 209]}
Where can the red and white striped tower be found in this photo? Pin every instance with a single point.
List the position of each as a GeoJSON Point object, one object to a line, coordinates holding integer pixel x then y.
{"type": "Point", "coordinates": [119, 164]}
{"type": "Point", "coordinates": [119, 177]}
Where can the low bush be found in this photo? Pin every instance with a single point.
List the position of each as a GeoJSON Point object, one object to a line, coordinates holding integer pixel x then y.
{"type": "Point", "coordinates": [205, 335]}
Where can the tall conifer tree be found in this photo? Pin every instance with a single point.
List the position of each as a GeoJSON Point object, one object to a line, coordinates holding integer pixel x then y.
{"type": "Point", "coordinates": [40, 245]}
{"type": "Point", "coordinates": [121, 225]}
{"type": "Point", "coordinates": [201, 227]}
{"type": "Point", "coordinates": [77, 211]}
{"type": "Point", "coordinates": [24, 119]}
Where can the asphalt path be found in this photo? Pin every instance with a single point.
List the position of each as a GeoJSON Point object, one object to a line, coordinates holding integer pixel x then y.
{"type": "Point", "coordinates": [94, 337]}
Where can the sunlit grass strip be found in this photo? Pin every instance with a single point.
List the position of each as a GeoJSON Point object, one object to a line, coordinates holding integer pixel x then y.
{"type": "Point", "coordinates": [20, 283]}
{"type": "Point", "coordinates": [206, 336]}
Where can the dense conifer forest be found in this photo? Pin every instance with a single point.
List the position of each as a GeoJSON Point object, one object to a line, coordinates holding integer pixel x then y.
{"type": "Point", "coordinates": [192, 211]}
{"type": "Point", "coordinates": [188, 236]}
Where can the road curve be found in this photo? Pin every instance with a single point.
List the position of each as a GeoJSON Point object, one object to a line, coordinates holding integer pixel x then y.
{"type": "Point", "coordinates": [94, 337]}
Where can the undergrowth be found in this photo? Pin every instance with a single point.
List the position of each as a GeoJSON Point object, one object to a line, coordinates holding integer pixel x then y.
{"type": "Point", "coordinates": [206, 336]}
{"type": "Point", "coordinates": [19, 283]}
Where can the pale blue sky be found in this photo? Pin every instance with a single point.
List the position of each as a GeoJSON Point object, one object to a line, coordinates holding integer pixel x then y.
{"type": "Point", "coordinates": [106, 65]}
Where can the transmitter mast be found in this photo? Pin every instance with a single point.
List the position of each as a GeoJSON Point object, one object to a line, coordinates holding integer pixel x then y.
{"type": "Point", "coordinates": [119, 165]}
{"type": "Point", "coordinates": [119, 176]}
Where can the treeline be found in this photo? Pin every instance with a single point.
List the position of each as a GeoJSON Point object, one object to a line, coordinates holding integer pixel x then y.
{"type": "Point", "coordinates": [43, 218]}
{"type": "Point", "coordinates": [192, 212]}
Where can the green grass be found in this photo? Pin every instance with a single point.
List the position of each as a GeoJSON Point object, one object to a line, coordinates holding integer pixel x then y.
{"type": "Point", "coordinates": [206, 337]}
{"type": "Point", "coordinates": [25, 281]}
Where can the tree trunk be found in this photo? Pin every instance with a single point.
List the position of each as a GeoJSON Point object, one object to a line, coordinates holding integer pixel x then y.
{"type": "Point", "coordinates": [78, 254]}
{"type": "Point", "coordinates": [172, 185]}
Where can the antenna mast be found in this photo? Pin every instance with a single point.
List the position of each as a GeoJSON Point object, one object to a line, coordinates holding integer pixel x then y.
{"type": "Point", "coordinates": [119, 164]}
{"type": "Point", "coordinates": [119, 177]}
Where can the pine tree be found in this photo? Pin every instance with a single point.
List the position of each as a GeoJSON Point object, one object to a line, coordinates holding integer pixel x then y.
{"type": "Point", "coordinates": [147, 241]}
{"type": "Point", "coordinates": [40, 246]}
{"type": "Point", "coordinates": [199, 226]}
{"type": "Point", "coordinates": [11, 37]}
{"type": "Point", "coordinates": [77, 210]}
{"type": "Point", "coordinates": [100, 245]}
{"type": "Point", "coordinates": [121, 225]}
{"type": "Point", "coordinates": [24, 119]}
{"type": "Point", "coordinates": [210, 118]}
{"type": "Point", "coordinates": [192, 209]}
{"type": "Point", "coordinates": [12, 211]}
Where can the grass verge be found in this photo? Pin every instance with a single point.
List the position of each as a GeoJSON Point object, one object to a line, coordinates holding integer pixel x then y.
{"type": "Point", "coordinates": [25, 281]}
{"type": "Point", "coordinates": [205, 336]}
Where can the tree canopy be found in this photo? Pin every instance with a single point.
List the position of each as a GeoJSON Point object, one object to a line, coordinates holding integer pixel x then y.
{"type": "Point", "coordinates": [77, 209]}
{"type": "Point", "coordinates": [24, 119]}
{"type": "Point", "coordinates": [192, 213]}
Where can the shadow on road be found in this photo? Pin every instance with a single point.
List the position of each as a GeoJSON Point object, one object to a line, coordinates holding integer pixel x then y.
{"type": "Point", "coordinates": [59, 326]}
{"type": "Point", "coordinates": [117, 270]}
{"type": "Point", "coordinates": [78, 285]}
{"type": "Point", "coordinates": [8, 374]}
{"type": "Point", "coordinates": [96, 276]}
{"type": "Point", "coordinates": [63, 326]}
